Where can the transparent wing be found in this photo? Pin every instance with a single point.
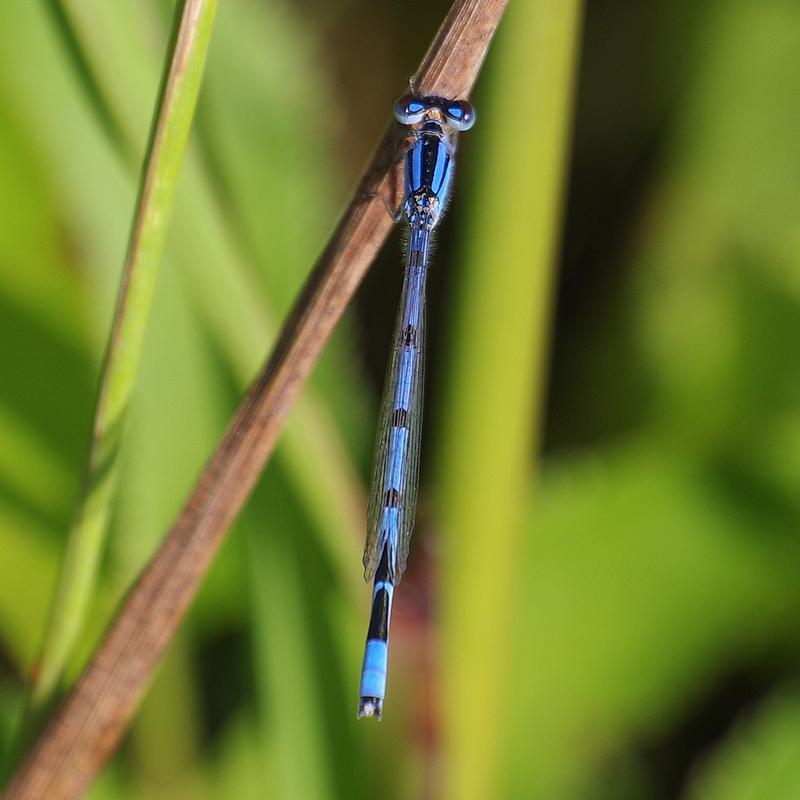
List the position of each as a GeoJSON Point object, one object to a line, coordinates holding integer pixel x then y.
{"type": "Point", "coordinates": [376, 537]}
{"type": "Point", "coordinates": [393, 492]}
{"type": "Point", "coordinates": [408, 495]}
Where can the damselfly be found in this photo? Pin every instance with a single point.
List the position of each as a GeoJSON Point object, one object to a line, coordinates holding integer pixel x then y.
{"type": "Point", "coordinates": [433, 125]}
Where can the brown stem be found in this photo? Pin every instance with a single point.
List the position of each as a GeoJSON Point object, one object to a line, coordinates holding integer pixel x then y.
{"type": "Point", "coordinates": [86, 729]}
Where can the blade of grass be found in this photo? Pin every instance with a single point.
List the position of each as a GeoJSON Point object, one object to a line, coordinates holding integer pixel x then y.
{"type": "Point", "coordinates": [495, 389]}
{"type": "Point", "coordinates": [169, 136]}
{"type": "Point", "coordinates": [96, 92]}
{"type": "Point", "coordinates": [289, 698]}
{"type": "Point", "coordinates": [311, 448]}
{"type": "Point", "coordinates": [89, 725]}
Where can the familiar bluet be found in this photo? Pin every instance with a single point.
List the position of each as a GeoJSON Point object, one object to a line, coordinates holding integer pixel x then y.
{"type": "Point", "coordinates": [433, 124]}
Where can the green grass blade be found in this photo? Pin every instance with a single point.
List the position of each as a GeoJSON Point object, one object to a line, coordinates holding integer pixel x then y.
{"type": "Point", "coordinates": [96, 93]}
{"type": "Point", "coordinates": [169, 136]}
{"type": "Point", "coordinates": [288, 684]}
{"type": "Point", "coordinates": [220, 269]}
{"type": "Point", "coordinates": [495, 389]}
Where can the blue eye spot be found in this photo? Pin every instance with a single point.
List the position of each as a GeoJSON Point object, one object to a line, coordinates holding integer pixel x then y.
{"type": "Point", "coordinates": [410, 109]}
{"type": "Point", "coordinates": [459, 114]}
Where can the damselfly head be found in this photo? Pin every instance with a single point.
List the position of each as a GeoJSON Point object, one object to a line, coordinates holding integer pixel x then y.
{"type": "Point", "coordinates": [412, 109]}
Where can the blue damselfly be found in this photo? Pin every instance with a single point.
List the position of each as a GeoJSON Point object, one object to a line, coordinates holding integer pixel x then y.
{"type": "Point", "coordinates": [433, 124]}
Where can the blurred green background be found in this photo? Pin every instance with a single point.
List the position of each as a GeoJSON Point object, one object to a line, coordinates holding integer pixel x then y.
{"type": "Point", "coordinates": [602, 599]}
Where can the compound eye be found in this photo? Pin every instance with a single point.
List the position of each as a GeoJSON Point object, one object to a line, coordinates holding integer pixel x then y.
{"type": "Point", "coordinates": [410, 109]}
{"type": "Point", "coordinates": [459, 114]}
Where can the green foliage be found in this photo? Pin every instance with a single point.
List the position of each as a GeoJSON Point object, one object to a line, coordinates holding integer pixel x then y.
{"type": "Point", "coordinates": [486, 468]}
{"type": "Point", "coordinates": [762, 759]}
{"type": "Point", "coordinates": [587, 605]}
{"type": "Point", "coordinates": [169, 136]}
